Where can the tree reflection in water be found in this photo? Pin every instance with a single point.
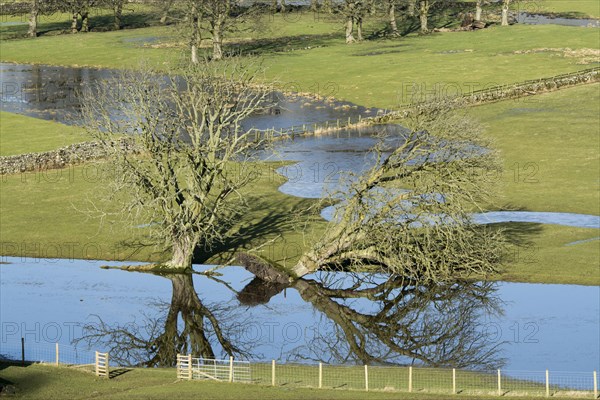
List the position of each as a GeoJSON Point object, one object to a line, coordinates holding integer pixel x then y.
{"type": "Point", "coordinates": [370, 319]}
{"type": "Point", "coordinates": [377, 319]}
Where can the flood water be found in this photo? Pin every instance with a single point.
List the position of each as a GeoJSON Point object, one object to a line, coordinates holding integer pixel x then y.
{"type": "Point", "coordinates": [51, 93]}
{"type": "Point", "coordinates": [552, 327]}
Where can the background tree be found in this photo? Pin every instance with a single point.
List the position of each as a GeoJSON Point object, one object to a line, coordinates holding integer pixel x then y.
{"type": "Point", "coordinates": [478, 10]}
{"type": "Point", "coordinates": [354, 12]}
{"type": "Point", "coordinates": [186, 180]}
{"type": "Point", "coordinates": [33, 18]}
{"type": "Point", "coordinates": [505, 9]}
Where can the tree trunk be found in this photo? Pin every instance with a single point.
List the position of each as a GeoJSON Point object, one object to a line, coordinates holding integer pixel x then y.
{"type": "Point", "coordinates": [359, 30]}
{"type": "Point", "coordinates": [505, 4]}
{"type": "Point", "coordinates": [85, 21]}
{"type": "Point", "coordinates": [33, 18]}
{"type": "Point", "coordinates": [74, 22]}
{"type": "Point", "coordinates": [118, 14]}
{"type": "Point", "coordinates": [165, 12]}
{"type": "Point", "coordinates": [423, 11]}
{"type": "Point", "coordinates": [314, 5]}
{"type": "Point", "coordinates": [411, 8]}
{"type": "Point", "coordinates": [217, 42]}
{"type": "Point", "coordinates": [349, 29]}
{"type": "Point", "coordinates": [327, 6]}
{"type": "Point", "coordinates": [196, 36]}
{"type": "Point", "coordinates": [183, 253]}
{"type": "Point", "coordinates": [392, 16]}
{"type": "Point", "coordinates": [478, 11]}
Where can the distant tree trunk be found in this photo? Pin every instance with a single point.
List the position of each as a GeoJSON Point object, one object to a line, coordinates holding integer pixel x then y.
{"type": "Point", "coordinates": [85, 21]}
{"type": "Point", "coordinates": [165, 12]}
{"type": "Point", "coordinates": [327, 6]}
{"type": "Point", "coordinates": [423, 11]}
{"type": "Point", "coordinates": [118, 10]}
{"type": "Point", "coordinates": [196, 35]}
{"type": "Point", "coordinates": [314, 5]}
{"type": "Point", "coordinates": [411, 8]}
{"type": "Point", "coordinates": [349, 29]}
{"type": "Point", "coordinates": [392, 17]}
{"type": "Point", "coordinates": [359, 29]}
{"type": "Point", "coordinates": [505, 4]}
{"type": "Point", "coordinates": [33, 18]}
{"type": "Point", "coordinates": [478, 11]}
{"type": "Point", "coordinates": [74, 16]}
{"type": "Point", "coordinates": [217, 43]}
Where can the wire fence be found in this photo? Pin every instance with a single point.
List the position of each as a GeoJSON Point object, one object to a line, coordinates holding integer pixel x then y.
{"type": "Point", "coordinates": [488, 94]}
{"type": "Point", "coordinates": [422, 380]}
{"type": "Point", "coordinates": [353, 377]}
{"type": "Point", "coordinates": [44, 352]}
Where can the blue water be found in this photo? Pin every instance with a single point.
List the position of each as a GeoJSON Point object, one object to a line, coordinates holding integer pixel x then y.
{"type": "Point", "coordinates": [554, 327]}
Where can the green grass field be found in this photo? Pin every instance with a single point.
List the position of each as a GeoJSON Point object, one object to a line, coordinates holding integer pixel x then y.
{"type": "Point", "coordinates": [38, 381]}
{"type": "Point", "coordinates": [570, 8]}
{"type": "Point", "coordinates": [20, 134]}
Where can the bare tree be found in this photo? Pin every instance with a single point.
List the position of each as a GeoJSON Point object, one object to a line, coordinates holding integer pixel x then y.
{"type": "Point", "coordinates": [33, 18]}
{"type": "Point", "coordinates": [478, 10]}
{"type": "Point", "coordinates": [354, 12]}
{"type": "Point", "coordinates": [424, 6]}
{"type": "Point", "coordinates": [505, 9]}
{"type": "Point", "coordinates": [186, 181]}
{"type": "Point", "coordinates": [411, 213]}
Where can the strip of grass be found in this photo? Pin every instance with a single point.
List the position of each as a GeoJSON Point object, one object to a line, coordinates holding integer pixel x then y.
{"type": "Point", "coordinates": [47, 382]}
{"type": "Point", "coordinates": [20, 134]}
{"type": "Point", "coordinates": [570, 8]}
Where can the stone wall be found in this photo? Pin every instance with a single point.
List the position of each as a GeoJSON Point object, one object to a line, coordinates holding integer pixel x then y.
{"type": "Point", "coordinates": [70, 155]}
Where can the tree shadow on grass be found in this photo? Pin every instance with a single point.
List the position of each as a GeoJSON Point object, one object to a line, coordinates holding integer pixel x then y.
{"type": "Point", "coordinates": [281, 44]}
{"type": "Point", "coordinates": [273, 224]}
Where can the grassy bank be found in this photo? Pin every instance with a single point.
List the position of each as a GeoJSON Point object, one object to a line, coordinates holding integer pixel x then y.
{"type": "Point", "coordinates": [20, 134]}
{"type": "Point", "coordinates": [47, 382]}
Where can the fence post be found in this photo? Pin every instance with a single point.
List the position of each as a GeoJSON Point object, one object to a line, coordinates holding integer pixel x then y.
{"type": "Point", "coordinates": [453, 381]}
{"type": "Point", "coordinates": [22, 352]}
{"type": "Point", "coordinates": [547, 384]}
{"type": "Point", "coordinates": [230, 369]}
{"type": "Point", "coordinates": [321, 375]}
{"type": "Point", "coordinates": [595, 385]}
{"type": "Point", "coordinates": [410, 379]}
{"type": "Point", "coordinates": [57, 358]}
{"type": "Point", "coordinates": [273, 373]}
{"type": "Point", "coordinates": [366, 378]}
{"type": "Point", "coordinates": [499, 384]}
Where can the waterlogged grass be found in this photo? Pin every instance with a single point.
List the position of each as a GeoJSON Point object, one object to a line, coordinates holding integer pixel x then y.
{"type": "Point", "coordinates": [20, 134]}
{"type": "Point", "coordinates": [38, 381]}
